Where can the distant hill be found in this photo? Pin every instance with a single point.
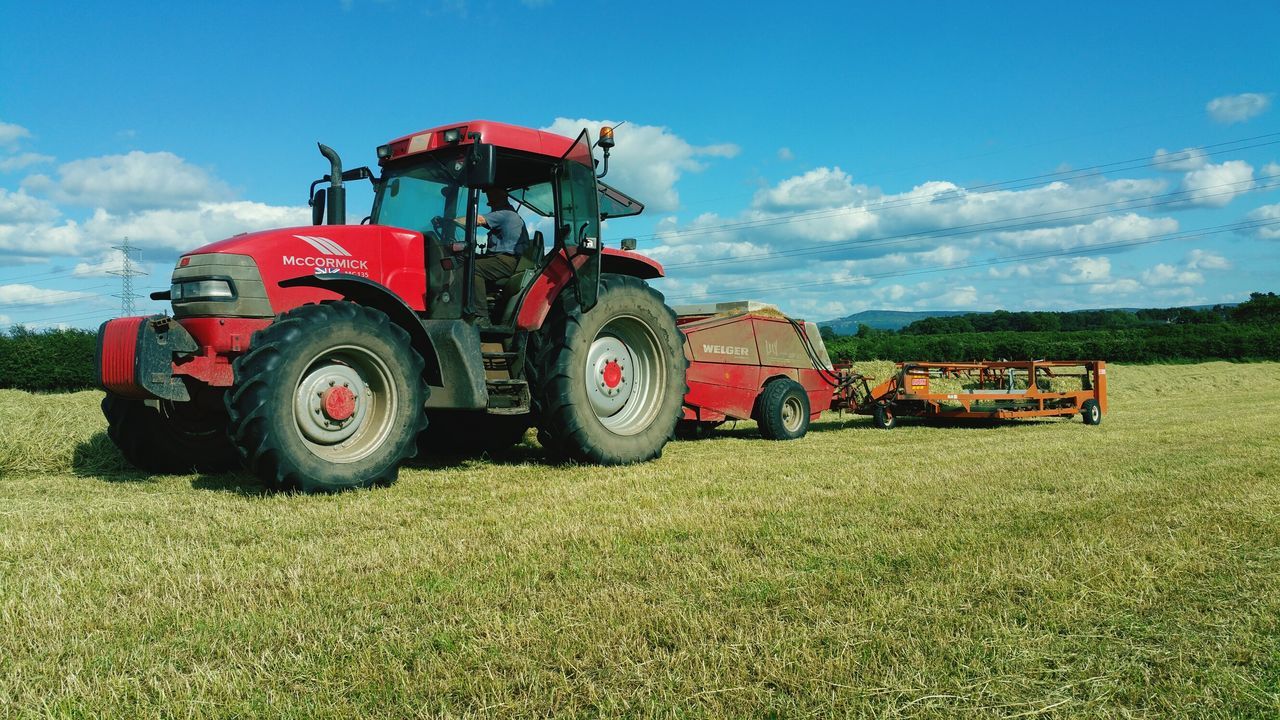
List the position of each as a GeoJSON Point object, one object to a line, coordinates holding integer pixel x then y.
{"type": "Point", "coordinates": [884, 319]}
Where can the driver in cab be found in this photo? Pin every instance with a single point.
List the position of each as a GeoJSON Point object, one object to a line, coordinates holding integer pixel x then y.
{"type": "Point", "coordinates": [508, 238]}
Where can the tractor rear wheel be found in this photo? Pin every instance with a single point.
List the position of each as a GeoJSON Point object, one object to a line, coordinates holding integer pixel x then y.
{"type": "Point", "coordinates": [329, 397]}
{"type": "Point", "coordinates": [1091, 412]}
{"type": "Point", "coordinates": [168, 437]}
{"type": "Point", "coordinates": [784, 410]}
{"type": "Point", "coordinates": [608, 384]}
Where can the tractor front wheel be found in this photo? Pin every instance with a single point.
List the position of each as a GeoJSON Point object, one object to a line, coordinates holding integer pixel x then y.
{"type": "Point", "coordinates": [609, 383]}
{"type": "Point", "coordinates": [329, 397]}
{"type": "Point", "coordinates": [168, 437]}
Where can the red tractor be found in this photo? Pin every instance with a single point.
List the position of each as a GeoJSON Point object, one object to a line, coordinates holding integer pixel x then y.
{"type": "Point", "coordinates": [322, 357]}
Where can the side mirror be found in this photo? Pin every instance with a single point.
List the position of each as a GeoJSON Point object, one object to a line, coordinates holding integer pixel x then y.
{"type": "Point", "coordinates": [317, 207]}
{"type": "Point", "coordinates": [628, 243]}
{"type": "Point", "coordinates": [483, 168]}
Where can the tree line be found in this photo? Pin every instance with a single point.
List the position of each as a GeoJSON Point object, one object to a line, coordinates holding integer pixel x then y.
{"type": "Point", "coordinates": [47, 360]}
{"type": "Point", "coordinates": [1248, 331]}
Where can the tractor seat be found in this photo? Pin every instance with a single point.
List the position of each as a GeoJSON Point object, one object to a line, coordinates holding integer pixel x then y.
{"type": "Point", "coordinates": [526, 268]}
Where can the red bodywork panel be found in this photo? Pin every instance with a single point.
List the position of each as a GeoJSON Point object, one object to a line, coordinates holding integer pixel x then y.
{"type": "Point", "coordinates": [731, 359]}
{"type": "Point", "coordinates": [392, 257]}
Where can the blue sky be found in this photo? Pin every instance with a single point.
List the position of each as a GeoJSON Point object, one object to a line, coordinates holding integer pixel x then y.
{"type": "Point", "coordinates": [829, 158]}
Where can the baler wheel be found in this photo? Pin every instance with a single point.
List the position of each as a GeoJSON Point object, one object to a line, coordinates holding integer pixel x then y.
{"type": "Point", "coordinates": [784, 410]}
{"type": "Point", "coordinates": [329, 397]}
{"type": "Point", "coordinates": [1091, 412]}
{"type": "Point", "coordinates": [608, 384]}
{"type": "Point", "coordinates": [169, 437]}
{"type": "Point", "coordinates": [884, 418]}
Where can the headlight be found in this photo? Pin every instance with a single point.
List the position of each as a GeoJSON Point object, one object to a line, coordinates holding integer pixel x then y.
{"type": "Point", "coordinates": [202, 290]}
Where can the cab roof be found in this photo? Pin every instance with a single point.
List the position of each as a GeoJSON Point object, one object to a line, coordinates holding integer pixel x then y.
{"type": "Point", "coordinates": [511, 137]}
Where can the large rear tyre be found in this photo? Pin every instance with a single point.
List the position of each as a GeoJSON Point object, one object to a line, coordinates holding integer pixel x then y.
{"type": "Point", "coordinates": [329, 397]}
{"type": "Point", "coordinates": [469, 433]}
{"type": "Point", "coordinates": [608, 384]}
{"type": "Point", "coordinates": [168, 437]}
{"type": "Point", "coordinates": [784, 410]}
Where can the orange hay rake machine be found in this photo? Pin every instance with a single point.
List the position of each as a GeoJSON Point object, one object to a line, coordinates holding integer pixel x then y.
{"type": "Point", "coordinates": [979, 391]}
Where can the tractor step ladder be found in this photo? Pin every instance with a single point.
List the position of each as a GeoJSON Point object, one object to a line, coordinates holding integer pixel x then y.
{"type": "Point", "coordinates": [508, 397]}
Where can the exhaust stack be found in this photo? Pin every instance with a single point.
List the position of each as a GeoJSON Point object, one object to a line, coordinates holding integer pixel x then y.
{"type": "Point", "coordinates": [337, 193]}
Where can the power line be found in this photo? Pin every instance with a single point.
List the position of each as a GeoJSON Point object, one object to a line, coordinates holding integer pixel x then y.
{"type": "Point", "coordinates": [957, 193]}
{"type": "Point", "coordinates": [1040, 255]}
{"type": "Point", "coordinates": [995, 225]}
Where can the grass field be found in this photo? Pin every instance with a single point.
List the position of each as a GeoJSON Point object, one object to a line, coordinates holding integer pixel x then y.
{"type": "Point", "coordinates": [1038, 569]}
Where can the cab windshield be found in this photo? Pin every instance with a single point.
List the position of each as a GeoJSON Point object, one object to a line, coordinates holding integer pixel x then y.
{"type": "Point", "coordinates": [410, 196]}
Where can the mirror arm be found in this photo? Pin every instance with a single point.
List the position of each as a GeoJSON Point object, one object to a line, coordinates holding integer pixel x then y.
{"type": "Point", "coordinates": [605, 170]}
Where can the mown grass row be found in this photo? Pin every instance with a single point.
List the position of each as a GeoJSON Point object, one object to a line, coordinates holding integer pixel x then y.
{"type": "Point", "coordinates": [1042, 569]}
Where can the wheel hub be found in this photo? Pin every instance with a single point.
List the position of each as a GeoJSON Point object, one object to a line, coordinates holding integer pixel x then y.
{"type": "Point", "coordinates": [609, 381]}
{"type": "Point", "coordinates": [338, 403]}
{"type": "Point", "coordinates": [331, 403]}
{"type": "Point", "coordinates": [792, 414]}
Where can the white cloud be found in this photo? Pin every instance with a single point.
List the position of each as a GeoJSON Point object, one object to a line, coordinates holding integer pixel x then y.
{"type": "Point", "coordinates": [963, 297]}
{"type": "Point", "coordinates": [1165, 274]}
{"type": "Point", "coordinates": [110, 263]}
{"type": "Point", "coordinates": [1205, 260]}
{"type": "Point", "coordinates": [1122, 286]}
{"type": "Point", "coordinates": [1116, 228]}
{"type": "Point", "coordinates": [5, 321]}
{"type": "Point", "coordinates": [1086, 271]}
{"type": "Point", "coordinates": [135, 181]}
{"type": "Point", "coordinates": [19, 207]}
{"type": "Point", "coordinates": [891, 293]}
{"type": "Point", "coordinates": [1266, 213]}
{"type": "Point", "coordinates": [40, 240]}
{"type": "Point", "coordinates": [165, 230]}
{"type": "Point", "coordinates": [184, 229]}
{"type": "Point", "coordinates": [785, 154]}
{"type": "Point", "coordinates": [1270, 170]}
{"type": "Point", "coordinates": [648, 160]}
{"type": "Point", "coordinates": [1179, 161]}
{"type": "Point", "coordinates": [1217, 185]}
{"type": "Point", "coordinates": [1230, 109]}
{"type": "Point", "coordinates": [819, 188]}
{"type": "Point", "coordinates": [18, 162]}
{"type": "Point", "coordinates": [19, 294]}
{"type": "Point", "coordinates": [10, 134]}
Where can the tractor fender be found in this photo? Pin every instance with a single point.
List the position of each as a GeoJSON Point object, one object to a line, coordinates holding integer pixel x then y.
{"type": "Point", "coordinates": [622, 262]}
{"type": "Point", "coordinates": [364, 291]}
{"type": "Point", "coordinates": [556, 274]}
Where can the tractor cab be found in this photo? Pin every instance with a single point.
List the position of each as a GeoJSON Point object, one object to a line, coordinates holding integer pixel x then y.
{"type": "Point", "coordinates": [431, 178]}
